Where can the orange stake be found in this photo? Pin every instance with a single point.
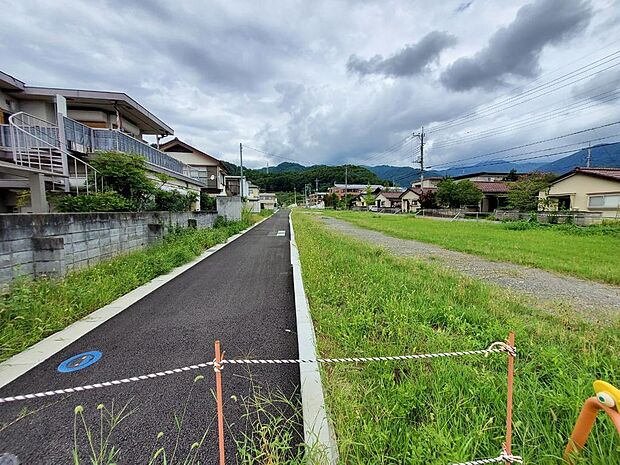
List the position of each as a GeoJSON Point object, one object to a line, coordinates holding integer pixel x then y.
{"type": "Point", "coordinates": [584, 425]}
{"type": "Point", "coordinates": [220, 403]}
{"type": "Point", "coordinates": [511, 369]}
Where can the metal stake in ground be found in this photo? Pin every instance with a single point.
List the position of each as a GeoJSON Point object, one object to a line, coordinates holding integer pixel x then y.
{"type": "Point", "coordinates": [217, 367]}
{"type": "Point", "coordinates": [511, 368]}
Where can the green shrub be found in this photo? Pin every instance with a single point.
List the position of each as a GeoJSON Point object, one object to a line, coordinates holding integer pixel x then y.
{"type": "Point", "coordinates": [173, 201]}
{"type": "Point", "coordinates": [97, 202]}
{"type": "Point", "coordinates": [207, 203]}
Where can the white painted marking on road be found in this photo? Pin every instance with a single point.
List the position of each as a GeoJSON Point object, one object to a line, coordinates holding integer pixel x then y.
{"type": "Point", "coordinates": [281, 234]}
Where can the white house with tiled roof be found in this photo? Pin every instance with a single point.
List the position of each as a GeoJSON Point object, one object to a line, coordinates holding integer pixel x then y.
{"type": "Point", "coordinates": [594, 190]}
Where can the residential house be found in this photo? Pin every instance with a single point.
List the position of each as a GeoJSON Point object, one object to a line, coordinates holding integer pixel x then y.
{"type": "Point", "coordinates": [494, 188]}
{"type": "Point", "coordinates": [236, 185]}
{"type": "Point", "coordinates": [253, 197]}
{"type": "Point", "coordinates": [317, 199]}
{"type": "Point", "coordinates": [199, 165]}
{"type": "Point", "coordinates": [388, 200]}
{"type": "Point", "coordinates": [353, 190]}
{"type": "Point", "coordinates": [267, 201]}
{"type": "Point", "coordinates": [594, 190]}
{"type": "Point", "coordinates": [48, 134]}
{"type": "Point", "coordinates": [429, 183]}
{"type": "Point", "coordinates": [410, 200]}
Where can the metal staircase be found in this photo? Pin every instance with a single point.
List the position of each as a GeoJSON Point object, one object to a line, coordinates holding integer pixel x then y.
{"type": "Point", "coordinates": [38, 144]}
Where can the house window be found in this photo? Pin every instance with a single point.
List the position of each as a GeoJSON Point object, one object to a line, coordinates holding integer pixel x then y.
{"type": "Point", "coordinates": [604, 201]}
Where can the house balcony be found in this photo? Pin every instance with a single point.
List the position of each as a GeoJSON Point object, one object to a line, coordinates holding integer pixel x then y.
{"type": "Point", "coordinates": [82, 139]}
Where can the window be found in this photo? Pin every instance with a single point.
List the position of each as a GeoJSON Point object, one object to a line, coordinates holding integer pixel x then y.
{"type": "Point", "coordinates": [604, 201]}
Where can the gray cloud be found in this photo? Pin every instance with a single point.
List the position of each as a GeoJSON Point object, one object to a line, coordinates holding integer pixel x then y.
{"type": "Point", "coordinates": [515, 50]}
{"type": "Point", "coordinates": [464, 6]}
{"type": "Point", "coordinates": [409, 61]}
{"type": "Point", "coordinates": [270, 74]}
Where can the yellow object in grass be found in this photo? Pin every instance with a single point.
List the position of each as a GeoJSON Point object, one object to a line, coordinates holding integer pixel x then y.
{"type": "Point", "coordinates": [607, 394]}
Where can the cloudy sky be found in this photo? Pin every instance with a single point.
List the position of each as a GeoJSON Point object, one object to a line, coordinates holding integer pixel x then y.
{"type": "Point", "coordinates": [337, 81]}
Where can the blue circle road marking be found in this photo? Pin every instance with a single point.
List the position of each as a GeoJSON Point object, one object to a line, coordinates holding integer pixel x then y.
{"type": "Point", "coordinates": [79, 361]}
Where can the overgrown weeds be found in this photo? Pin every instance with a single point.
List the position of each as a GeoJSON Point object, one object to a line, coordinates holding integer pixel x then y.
{"type": "Point", "coordinates": [366, 302]}
{"type": "Point", "coordinates": [31, 310]}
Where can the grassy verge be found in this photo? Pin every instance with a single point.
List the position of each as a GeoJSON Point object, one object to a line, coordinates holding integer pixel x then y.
{"type": "Point", "coordinates": [590, 253]}
{"type": "Point", "coordinates": [33, 309]}
{"type": "Point", "coordinates": [366, 302]}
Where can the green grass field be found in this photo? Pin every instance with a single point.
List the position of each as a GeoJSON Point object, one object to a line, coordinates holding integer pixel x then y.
{"type": "Point", "coordinates": [366, 302]}
{"type": "Point", "coordinates": [31, 310]}
{"type": "Point", "coordinates": [591, 253]}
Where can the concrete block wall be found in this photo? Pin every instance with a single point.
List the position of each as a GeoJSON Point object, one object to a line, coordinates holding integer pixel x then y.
{"type": "Point", "coordinates": [52, 244]}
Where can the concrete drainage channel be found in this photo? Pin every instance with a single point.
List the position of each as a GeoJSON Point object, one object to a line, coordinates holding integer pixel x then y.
{"type": "Point", "coordinates": [318, 433]}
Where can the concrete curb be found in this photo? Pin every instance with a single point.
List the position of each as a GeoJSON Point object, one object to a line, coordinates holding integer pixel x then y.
{"type": "Point", "coordinates": [19, 364]}
{"type": "Point", "coordinates": [318, 434]}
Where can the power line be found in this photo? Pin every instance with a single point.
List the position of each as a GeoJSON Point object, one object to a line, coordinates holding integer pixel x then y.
{"type": "Point", "coordinates": [541, 141]}
{"type": "Point", "coordinates": [478, 113]}
{"type": "Point", "coordinates": [527, 122]}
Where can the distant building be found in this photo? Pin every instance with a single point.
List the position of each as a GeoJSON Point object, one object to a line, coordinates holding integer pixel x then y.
{"type": "Point", "coordinates": [317, 199]}
{"type": "Point", "coordinates": [494, 187]}
{"type": "Point", "coordinates": [200, 165]}
{"type": "Point", "coordinates": [267, 201]}
{"type": "Point", "coordinates": [594, 190]}
{"type": "Point", "coordinates": [353, 190]}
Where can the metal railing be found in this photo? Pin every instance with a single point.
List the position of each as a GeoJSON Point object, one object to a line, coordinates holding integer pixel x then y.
{"type": "Point", "coordinates": [36, 144]}
{"type": "Point", "coordinates": [113, 140]}
{"type": "Point", "coordinates": [79, 137]}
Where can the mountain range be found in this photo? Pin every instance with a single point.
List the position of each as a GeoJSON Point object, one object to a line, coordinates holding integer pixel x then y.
{"type": "Point", "coordinates": [603, 156]}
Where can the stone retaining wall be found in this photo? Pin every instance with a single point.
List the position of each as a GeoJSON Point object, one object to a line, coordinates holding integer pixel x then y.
{"type": "Point", "coordinates": [54, 243]}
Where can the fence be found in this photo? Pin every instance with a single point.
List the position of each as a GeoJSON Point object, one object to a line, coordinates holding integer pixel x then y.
{"type": "Point", "coordinates": [111, 140]}
{"type": "Point", "coordinates": [579, 218]}
{"type": "Point", "coordinates": [219, 363]}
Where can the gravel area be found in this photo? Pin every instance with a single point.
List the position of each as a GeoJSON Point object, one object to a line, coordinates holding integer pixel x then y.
{"type": "Point", "coordinates": [595, 301]}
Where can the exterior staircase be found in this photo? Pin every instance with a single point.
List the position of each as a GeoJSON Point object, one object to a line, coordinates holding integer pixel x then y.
{"type": "Point", "coordinates": [37, 144]}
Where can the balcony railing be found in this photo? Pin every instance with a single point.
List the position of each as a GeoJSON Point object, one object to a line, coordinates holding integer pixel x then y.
{"type": "Point", "coordinates": [109, 139]}
{"type": "Point", "coordinates": [78, 136]}
{"type": "Point", "coordinates": [82, 138]}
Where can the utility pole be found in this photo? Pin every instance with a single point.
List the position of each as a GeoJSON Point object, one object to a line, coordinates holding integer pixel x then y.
{"type": "Point", "coordinates": [589, 158]}
{"type": "Point", "coordinates": [241, 162]}
{"type": "Point", "coordinates": [346, 186]}
{"type": "Point", "coordinates": [317, 185]}
{"type": "Point", "coordinates": [295, 189]}
{"type": "Point", "coordinates": [420, 135]}
{"type": "Point", "coordinates": [267, 167]}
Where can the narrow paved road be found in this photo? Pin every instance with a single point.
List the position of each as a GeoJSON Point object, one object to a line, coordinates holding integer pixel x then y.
{"type": "Point", "coordinates": [242, 295]}
{"type": "Point", "coordinates": [594, 301]}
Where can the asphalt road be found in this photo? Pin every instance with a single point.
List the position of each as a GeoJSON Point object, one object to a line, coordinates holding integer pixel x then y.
{"type": "Point", "coordinates": [241, 295]}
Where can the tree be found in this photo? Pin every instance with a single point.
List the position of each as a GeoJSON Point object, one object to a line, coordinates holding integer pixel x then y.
{"type": "Point", "coordinates": [523, 194]}
{"type": "Point", "coordinates": [457, 194]}
{"type": "Point", "coordinates": [427, 199]}
{"type": "Point", "coordinates": [512, 176]}
{"type": "Point", "coordinates": [125, 174]}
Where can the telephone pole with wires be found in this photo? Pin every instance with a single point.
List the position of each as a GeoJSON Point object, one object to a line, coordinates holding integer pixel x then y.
{"type": "Point", "coordinates": [420, 160]}
{"type": "Point", "coordinates": [589, 157]}
{"type": "Point", "coordinates": [241, 167]}
{"type": "Point", "coordinates": [346, 186]}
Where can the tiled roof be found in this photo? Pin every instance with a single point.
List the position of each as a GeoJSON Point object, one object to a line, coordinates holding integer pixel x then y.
{"type": "Point", "coordinates": [391, 195]}
{"type": "Point", "coordinates": [418, 190]}
{"type": "Point", "coordinates": [488, 187]}
{"type": "Point", "coordinates": [353, 187]}
{"type": "Point", "coordinates": [610, 173]}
